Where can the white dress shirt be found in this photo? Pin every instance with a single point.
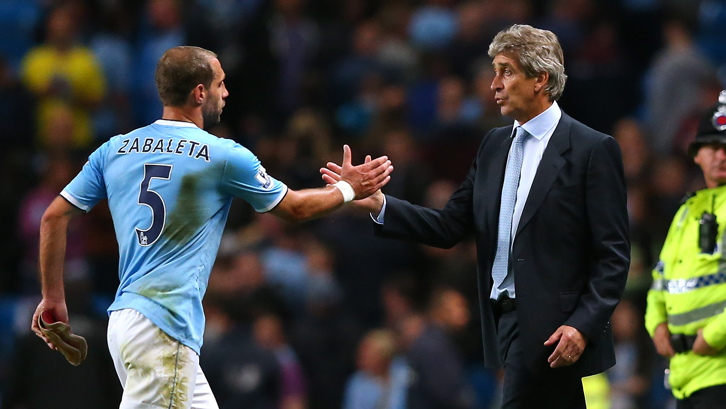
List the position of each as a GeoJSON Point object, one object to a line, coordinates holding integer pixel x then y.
{"type": "Point", "coordinates": [540, 129]}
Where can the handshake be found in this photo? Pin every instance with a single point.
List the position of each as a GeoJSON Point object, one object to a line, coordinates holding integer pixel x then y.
{"type": "Point", "coordinates": [360, 183]}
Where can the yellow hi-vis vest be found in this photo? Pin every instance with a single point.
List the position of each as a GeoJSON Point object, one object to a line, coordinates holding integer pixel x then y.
{"type": "Point", "coordinates": [689, 293]}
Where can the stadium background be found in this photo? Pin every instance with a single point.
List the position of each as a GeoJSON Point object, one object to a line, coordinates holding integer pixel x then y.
{"type": "Point", "coordinates": [405, 78]}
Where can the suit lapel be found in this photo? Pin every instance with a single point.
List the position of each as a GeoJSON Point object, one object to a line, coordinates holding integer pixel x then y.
{"type": "Point", "coordinates": [495, 180]}
{"type": "Point", "coordinates": [548, 169]}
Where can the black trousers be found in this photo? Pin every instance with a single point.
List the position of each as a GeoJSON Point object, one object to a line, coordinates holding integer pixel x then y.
{"type": "Point", "coordinates": [558, 389]}
{"type": "Point", "coordinates": [713, 397]}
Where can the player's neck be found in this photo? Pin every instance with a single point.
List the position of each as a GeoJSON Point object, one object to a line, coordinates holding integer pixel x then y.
{"type": "Point", "coordinates": [183, 114]}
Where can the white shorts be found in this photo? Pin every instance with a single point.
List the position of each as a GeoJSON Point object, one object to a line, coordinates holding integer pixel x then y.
{"type": "Point", "coordinates": [155, 370]}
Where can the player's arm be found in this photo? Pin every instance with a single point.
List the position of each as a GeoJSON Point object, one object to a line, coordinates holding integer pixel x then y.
{"type": "Point", "coordinates": [53, 227]}
{"type": "Point", "coordinates": [356, 182]}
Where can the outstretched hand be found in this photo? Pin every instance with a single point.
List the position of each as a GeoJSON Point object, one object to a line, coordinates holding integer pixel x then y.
{"type": "Point", "coordinates": [372, 203]}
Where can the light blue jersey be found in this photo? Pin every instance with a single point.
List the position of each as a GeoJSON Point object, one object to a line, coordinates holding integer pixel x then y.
{"type": "Point", "coordinates": [169, 187]}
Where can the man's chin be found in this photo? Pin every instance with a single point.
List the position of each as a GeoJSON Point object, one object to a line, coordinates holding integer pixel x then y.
{"type": "Point", "coordinates": [211, 121]}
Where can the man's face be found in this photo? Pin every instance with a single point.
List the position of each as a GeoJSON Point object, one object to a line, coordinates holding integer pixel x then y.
{"type": "Point", "coordinates": [712, 160]}
{"type": "Point", "coordinates": [514, 92]}
{"type": "Point", "coordinates": [214, 101]}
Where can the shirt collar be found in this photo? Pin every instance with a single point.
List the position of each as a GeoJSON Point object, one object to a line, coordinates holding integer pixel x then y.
{"type": "Point", "coordinates": [180, 124]}
{"type": "Point", "coordinates": [543, 123]}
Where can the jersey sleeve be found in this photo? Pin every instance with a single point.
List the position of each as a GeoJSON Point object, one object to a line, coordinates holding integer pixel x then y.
{"type": "Point", "coordinates": [244, 177]}
{"type": "Point", "coordinates": [89, 186]}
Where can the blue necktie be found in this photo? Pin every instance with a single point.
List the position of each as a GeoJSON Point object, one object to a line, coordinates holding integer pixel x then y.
{"type": "Point", "coordinates": [506, 208]}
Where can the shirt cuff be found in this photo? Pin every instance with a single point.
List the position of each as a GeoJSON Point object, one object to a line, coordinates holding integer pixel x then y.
{"type": "Point", "coordinates": [379, 219]}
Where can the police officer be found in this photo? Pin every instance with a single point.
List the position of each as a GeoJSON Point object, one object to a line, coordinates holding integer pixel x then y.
{"type": "Point", "coordinates": [686, 306]}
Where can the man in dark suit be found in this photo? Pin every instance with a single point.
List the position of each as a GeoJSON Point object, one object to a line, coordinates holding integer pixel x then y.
{"type": "Point", "coordinates": [546, 201]}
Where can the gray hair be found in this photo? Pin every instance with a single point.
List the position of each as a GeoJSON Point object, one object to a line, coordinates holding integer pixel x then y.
{"type": "Point", "coordinates": [537, 51]}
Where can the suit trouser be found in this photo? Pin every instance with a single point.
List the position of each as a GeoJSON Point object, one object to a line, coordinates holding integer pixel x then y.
{"type": "Point", "coordinates": [556, 389]}
{"type": "Point", "coordinates": [713, 397]}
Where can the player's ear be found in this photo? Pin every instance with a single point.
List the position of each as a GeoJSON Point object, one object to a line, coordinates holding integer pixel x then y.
{"type": "Point", "coordinates": [198, 94]}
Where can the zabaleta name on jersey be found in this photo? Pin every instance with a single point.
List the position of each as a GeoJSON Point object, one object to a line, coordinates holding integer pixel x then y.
{"type": "Point", "coordinates": [173, 146]}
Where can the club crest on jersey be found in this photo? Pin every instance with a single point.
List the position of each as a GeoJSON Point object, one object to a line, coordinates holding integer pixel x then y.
{"type": "Point", "coordinates": [263, 178]}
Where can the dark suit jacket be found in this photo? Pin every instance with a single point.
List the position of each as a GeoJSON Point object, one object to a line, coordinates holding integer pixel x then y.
{"type": "Point", "coordinates": [571, 253]}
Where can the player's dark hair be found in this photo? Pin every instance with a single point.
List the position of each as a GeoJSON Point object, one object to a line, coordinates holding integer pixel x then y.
{"type": "Point", "coordinates": [181, 69]}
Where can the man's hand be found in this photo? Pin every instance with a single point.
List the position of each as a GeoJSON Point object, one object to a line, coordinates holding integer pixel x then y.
{"type": "Point", "coordinates": [367, 178]}
{"type": "Point", "coordinates": [570, 347]}
{"type": "Point", "coordinates": [662, 341]}
{"type": "Point", "coordinates": [701, 347]}
{"type": "Point", "coordinates": [53, 311]}
{"type": "Point", "coordinates": [372, 203]}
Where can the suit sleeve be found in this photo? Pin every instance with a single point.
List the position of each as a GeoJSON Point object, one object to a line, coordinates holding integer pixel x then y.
{"type": "Point", "coordinates": [606, 207]}
{"type": "Point", "coordinates": [438, 228]}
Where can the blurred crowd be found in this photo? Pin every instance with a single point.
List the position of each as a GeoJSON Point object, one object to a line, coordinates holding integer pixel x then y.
{"type": "Point", "coordinates": [323, 315]}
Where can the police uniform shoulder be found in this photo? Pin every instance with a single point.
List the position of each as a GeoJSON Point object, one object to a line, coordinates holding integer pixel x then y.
{"type": "Point", "coordinates": [687, 197]}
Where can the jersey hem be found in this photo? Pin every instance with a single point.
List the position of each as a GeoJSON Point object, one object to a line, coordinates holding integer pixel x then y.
{"type": "Point", "coordinates": [156, 313]}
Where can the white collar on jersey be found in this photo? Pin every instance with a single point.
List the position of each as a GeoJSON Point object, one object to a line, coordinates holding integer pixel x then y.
{"type": "Point", "coordinates": [180, 124]}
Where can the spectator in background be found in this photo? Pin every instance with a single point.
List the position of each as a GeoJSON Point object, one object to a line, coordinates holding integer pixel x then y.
{"type": "Point", "coordinates": [667, 184]}
{"type": "Point", "coordinates": [470, 42]}
{"type": "Point", "coordinates": [433, 26]}
{"type": "Point", "coordinates": [437, 377]}
{"type": "Point", "coordinates": [270, 334]}
{"type": "Point", "coordinates": [242, 373]}
{"type": "Point", "coordinates": [294, 40]}
{"type": "Point", "coordinates": [362, 62]}
{"type": "Point", "coordinates": [630, 378]}
{"type": "Point", "coordinates": [361, 276]}
{"type": "Point", "coordinates": [161, 28]}
{"type": "Point", "coordinates": [567, 19]}
{"type": "Point", "coordinates": [634, 146]}
{"type": "Point", "coordinates": [396, 54]}
{"type": "Point", "coordinates": [390, 116]}
{"type": "Point", "coordinates": [56, 175]}
{"type": "Point", "coordinates": [65, 77]}
{"type": "Point", "coordinates": [305, 143]}
{"type": "Point", "coordinates": [325, 338]}
{"type": "Point", "coordinates": [113, 50]}
{"type": "Point", "coordinates": [240, 281]}
{"type": "Point", "coordinates": [402, 294]}
{"type": "Point", "coordinates": [16, 110]}
{"type": "Point", "coordinates": [320, 274]}
{"type": "Point", "coordinates": [412, 174]}
{"type": "Point", "coordinates": [382, 378]}
{"type": "Point", "coordinates": [673, 83]}
{"type": "Point", "coordinates": [453, 107]}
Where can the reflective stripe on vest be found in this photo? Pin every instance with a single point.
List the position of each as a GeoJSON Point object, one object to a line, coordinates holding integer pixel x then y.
{"type": "Point", "coordinates": [698, 314]}
{"type": "Point", "coordinates": [683, 285]}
